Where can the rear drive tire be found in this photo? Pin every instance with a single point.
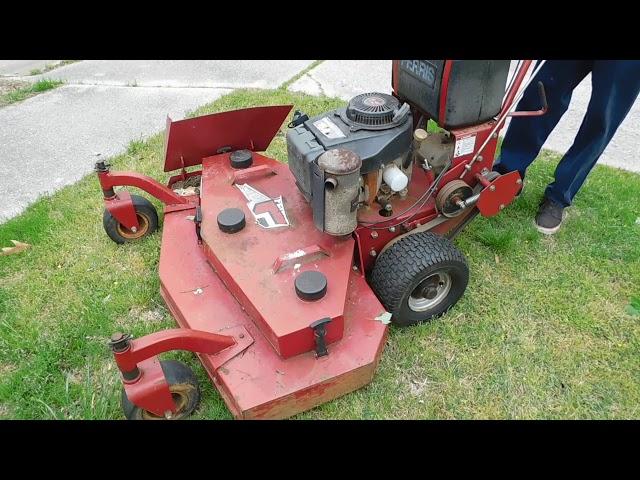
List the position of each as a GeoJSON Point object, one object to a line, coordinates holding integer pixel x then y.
{"type": "Point", "coordinates": [419, 278]}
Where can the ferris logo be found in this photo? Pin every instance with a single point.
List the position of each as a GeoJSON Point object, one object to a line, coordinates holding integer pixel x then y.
{"type": "Point", "coordinates": [421, 69]}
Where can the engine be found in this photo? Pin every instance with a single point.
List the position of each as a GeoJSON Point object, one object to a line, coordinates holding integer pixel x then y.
{"type": "Point", "coordinates": [365, 152]}
{"type": "Point", "coordinates": [351, 156]}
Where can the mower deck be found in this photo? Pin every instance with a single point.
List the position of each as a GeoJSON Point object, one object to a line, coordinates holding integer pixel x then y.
{"type": "Point", "coordinates": [273, 372]}
{"type": "Point", "coordinates": [259, 265]}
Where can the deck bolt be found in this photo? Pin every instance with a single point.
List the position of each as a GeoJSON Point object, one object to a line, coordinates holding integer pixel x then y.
{"type": "Point", "coordinates": [501, 206]}
{"type": "Point", "coordinates": [374, 234]}
{"type": "Point", "coordinates": [492, 188]}
{"type": "Point", "coordinates": [392, 229]}
{"type": "Point", "coordinates": [519, 181]}
{"type": "Point", "coordinates": [373, 253]}
{"type": "Point", "coordinates": [134, 229]}
{"type": "Point", "coordinates": [495, 135]}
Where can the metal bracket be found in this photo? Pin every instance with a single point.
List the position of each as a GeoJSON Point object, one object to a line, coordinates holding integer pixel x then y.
{"type": "Point", "coordinates": [243, 341]}
{"type": "Point", "coordinates": [320, 330]}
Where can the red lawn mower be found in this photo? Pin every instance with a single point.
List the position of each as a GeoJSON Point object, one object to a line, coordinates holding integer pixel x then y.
{"type": "Point", "coordinates": [283, 278]}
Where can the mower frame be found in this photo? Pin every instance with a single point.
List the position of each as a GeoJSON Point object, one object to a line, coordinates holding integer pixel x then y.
{"type": "Point", "coordinates": [191, 142]}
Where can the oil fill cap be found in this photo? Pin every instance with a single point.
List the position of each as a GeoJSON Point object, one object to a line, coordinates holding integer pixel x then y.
{"type": "Point", "coordinates": [311, 285]}
{"type": "Point", "coordinates": [241, 159]}
{"type": "Point", "coordinates": [231, 220]}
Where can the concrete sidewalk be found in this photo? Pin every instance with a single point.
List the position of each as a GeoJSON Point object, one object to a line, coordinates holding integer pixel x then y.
{"type": "Point", "coordinates": [10, 68]}
{"type": "Point", "coordinates": [52, 138]}
{"type": "Point", "coordinates": [49, 141]}
{"type": "Point", "coordinates": [180, 73]}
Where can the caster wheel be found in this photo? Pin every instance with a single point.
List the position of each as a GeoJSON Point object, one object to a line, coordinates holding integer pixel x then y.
{"type": "Point", "coordinates": [419, 278]}
{"type": "Point", "coordinates": [184, 390]}
{"type": "Point", "coordinates": [147, 218]}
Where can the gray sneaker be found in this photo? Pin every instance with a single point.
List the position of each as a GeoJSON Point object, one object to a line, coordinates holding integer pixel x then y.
{"type": "Point", "coordinates": [549, 217]}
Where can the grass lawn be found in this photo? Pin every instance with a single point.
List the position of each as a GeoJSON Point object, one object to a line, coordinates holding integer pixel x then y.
{"type": "Point", "coordinates": [546, 328]}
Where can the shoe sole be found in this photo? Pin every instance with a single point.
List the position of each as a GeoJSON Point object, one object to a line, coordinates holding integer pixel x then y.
{"type": "Point", "coordinates": [546, 231]}
{"type": "Point", "coordinates": [552, 230]}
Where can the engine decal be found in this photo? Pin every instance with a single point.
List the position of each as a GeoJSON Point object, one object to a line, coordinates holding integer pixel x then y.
{"type": "Point", "coordinates": [328, 128]}
{"type": "Point", "coordinates": [268, 212]}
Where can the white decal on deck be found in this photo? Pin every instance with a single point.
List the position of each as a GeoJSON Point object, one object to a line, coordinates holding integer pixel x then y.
{"type": "Point", "coordinates": [257, 198]}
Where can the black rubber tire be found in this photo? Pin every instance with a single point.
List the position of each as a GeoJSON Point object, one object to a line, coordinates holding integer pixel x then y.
{"type": "Point", "coordinates": [146, 213]}
{"type": "Point", "coordinates": [406, 264]}
{"type": "Point", "coordinates": [184, 387]}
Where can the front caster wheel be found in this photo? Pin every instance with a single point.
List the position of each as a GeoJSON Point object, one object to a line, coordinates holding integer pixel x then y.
{"type": "Point", "coordinates": [419, 278]}
{"type": "Point", "coordinates": [184, 390]}
{"type": "Point", "coordinates": [147, 219]}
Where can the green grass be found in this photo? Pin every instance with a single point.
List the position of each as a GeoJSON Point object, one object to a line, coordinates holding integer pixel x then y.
{"type": "Point", "coordinates": [23, 93]}
{"type": "Point", "coordinates": [546, 329]}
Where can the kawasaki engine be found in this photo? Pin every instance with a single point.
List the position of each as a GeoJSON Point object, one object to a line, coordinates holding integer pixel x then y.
{"type": "Point", "coordinates": [350, 156]}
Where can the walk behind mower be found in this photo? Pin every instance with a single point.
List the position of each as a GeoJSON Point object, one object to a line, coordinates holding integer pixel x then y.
{"type": "Point", "coordinates": [284, 278]}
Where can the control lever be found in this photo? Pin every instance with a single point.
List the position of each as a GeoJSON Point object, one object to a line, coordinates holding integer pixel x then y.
{"type": "Point", "coordinates": [535, 113]}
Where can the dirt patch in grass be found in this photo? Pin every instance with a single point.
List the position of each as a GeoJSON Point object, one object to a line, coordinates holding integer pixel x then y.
{"type": "Point", "coordinates": [12, 279]}
{"type": "Point", "coordinates": [8, 86]}
{"type": "Point", "coordinates": [148, 317]}
{"type": "Point", "coordinates": [6, 369]}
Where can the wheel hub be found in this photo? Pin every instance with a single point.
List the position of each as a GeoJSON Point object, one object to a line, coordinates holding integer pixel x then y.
{"type": "Point", "coordinates": [430, 292]}
{"type": "Point", "coordinates": [143, 221]}
{"type": "Point", "coordinates": [180, 399]}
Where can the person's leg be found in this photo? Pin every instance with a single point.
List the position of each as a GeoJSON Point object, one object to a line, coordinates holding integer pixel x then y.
{"type": "Point", "coordinates": [526, 135]}
{"type": "Point", "coordinates": [615, 87]}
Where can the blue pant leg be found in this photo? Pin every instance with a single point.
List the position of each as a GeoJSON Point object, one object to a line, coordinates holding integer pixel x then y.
{"type": "Point", "coordinates": [526, 135]}
{"type": "Point", "coordinates": [615, 87]}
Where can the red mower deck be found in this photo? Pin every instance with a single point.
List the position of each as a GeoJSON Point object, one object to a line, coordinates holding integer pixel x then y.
{"type": "Point", "coordinates": [256, 382]}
